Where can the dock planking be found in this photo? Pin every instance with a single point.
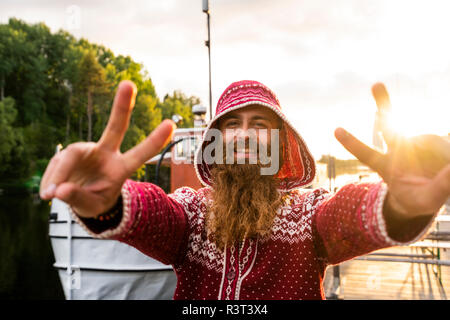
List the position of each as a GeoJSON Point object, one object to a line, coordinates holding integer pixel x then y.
{"type": "Point", "coordinates": [392, 280]}
{"type": "Point", "coordinates": [388, 280]}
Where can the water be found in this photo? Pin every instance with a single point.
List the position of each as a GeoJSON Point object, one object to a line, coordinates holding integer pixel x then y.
{"type": "Point", "coordinates": [26, 256]}
{"type": "Point", "coordinates": [322, 181]}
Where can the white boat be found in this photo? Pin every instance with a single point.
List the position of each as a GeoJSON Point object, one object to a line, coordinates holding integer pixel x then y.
{"type": "Point", "coordinates": [98, 269]}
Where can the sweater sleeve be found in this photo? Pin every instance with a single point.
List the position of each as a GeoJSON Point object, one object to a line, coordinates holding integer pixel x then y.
{"type": "Point", "coordinates": [352, 222]}
{"type": "Point", "coordinates": [152, 221]}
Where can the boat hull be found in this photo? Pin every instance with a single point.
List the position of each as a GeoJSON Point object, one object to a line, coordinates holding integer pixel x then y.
{"type": "Point", "coordinates": [94, 269]}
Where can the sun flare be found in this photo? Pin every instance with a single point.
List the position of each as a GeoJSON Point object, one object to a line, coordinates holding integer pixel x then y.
{"type": "Point", "coordinates": [413, 118]}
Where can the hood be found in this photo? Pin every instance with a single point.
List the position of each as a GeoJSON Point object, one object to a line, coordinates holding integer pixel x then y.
{"type": "Point", "coordinates": [298, 166]}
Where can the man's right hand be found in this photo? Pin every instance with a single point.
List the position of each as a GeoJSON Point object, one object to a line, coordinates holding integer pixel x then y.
{"type": "Point", "coordinates": [89, 176]}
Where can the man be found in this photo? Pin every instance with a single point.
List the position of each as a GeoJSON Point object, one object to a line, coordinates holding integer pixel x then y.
{"type": "Point", "coordinates": [247, 235]}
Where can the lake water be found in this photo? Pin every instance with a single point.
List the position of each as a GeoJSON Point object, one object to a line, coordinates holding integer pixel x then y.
{"type": "Point", "coordinates": [26, 256]}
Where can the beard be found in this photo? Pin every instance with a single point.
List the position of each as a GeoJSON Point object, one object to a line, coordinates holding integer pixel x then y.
{"type": "Point", "coordinates": [244, 203]}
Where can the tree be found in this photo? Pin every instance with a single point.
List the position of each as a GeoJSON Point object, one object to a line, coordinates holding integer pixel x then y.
{"type": "Point", "coordinates": [28, 80]}
{"type": "Point", "coordinates": [91, 81]}
{"type": "Point", "coordinates": [179, 104]}
{"type": "Point", "coordinates": [7, 134]}
{"type": "Point", "coordinates": [6, 57]}
{"type": "Point", "coordinates": [13, 155]}
{"type": "Point", "coordinates": [54, 82]}
{"type": "Point", "coordinates": [146, 115]}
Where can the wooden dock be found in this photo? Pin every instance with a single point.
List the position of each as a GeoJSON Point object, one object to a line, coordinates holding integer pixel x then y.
{"type": "Point", "coordinates": [394, 280]}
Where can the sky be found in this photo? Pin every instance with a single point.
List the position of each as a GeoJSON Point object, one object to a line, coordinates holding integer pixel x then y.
{"type": "Point", "coordinates": [320, 57]}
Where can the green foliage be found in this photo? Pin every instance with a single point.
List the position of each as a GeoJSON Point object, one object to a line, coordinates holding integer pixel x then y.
{"type": "Point", "coordinates": [134, 136]}
{"type": "Point", "coordinates": [58, 89]}
{"type": "Point", "coordinates": [178, 103]}
{"type": "Point", "coordinates": [13, 154]}
{"type": "Point", "coordinates": [91, 74]}
{"type": "Point", "coordinates": [39, 137]}
{"type": "Point", "coordinates": [145, 113]}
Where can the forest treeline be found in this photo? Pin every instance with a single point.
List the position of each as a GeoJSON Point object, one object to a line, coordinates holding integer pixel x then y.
{"type": "Point", "coordinates": [56, 89]}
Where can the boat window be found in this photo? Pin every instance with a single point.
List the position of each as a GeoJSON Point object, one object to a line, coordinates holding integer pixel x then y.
{"type": "Point", "coordinates": [186, 149]}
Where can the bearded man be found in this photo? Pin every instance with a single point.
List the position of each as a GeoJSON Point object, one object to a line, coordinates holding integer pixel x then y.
{"type": "Point", "coordinates": [247, 235]}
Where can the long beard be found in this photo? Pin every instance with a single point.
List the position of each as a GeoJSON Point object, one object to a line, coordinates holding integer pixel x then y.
{"type": "Point", "coordinates": [244, 203]}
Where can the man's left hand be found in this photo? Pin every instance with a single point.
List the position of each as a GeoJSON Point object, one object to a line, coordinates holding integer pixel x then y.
{"type": "Point", "coordinates": [416, 170]}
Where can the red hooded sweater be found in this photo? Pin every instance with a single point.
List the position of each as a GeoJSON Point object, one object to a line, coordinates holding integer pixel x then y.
{"type": "Point", "coordinates": [312, 230]}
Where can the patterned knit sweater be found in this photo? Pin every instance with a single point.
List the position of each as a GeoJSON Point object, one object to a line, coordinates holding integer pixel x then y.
{"type": "Point", "coordinates": [312, 230]}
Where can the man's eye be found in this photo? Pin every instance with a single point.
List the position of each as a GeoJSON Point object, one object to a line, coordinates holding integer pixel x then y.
{"type": "Point", "coordinates": [260, 125]}
{"type": "Point", "coordinates": [231, 123]}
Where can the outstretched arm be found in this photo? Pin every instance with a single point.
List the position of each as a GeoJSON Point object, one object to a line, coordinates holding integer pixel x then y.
{"type": "Point", "coordinates": [399, 210]}
{"type": "Point", "coordinates": [92, 177]}
{"type": "Point", "coordinates": [356, 220]}
{"type": "Point", "coordinates": [146, 218]}
{"type": "Point", "coordinates": [89, 176]}
{"type": "Point", "coordinates": [416, 170]}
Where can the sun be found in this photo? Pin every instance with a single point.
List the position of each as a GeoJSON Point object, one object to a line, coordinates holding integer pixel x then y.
{"type": "Point", "coordinates": [407, 124]}
{"type": "Point", "coordinates": [413, 117]}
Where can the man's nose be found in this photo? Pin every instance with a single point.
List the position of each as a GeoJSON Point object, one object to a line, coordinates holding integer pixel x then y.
{"type": "Point", "coordinates": [245, 133]}
{"type": "Point", "coordinates": [246, 137]}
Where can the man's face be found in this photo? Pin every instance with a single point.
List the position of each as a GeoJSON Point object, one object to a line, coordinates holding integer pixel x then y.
{"type": "Point", "coordinates": [245, 196]}
{"type": "Point", "coordinates": [252, 122]}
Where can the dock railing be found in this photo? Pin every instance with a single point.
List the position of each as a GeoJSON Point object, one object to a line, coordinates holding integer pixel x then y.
{"type": "Point", "coordinates": [431, 248]}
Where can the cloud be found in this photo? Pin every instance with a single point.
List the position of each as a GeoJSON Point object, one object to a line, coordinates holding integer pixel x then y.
{"type": "Point", "coordinates": [320, 57]}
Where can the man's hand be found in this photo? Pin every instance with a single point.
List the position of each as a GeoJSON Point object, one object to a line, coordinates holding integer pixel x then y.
{"type": "Point", "coordinates": [416, 170]}
{"type": "Point", "coordinates": [89, 176]}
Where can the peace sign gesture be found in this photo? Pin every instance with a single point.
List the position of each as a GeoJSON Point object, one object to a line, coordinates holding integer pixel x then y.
{"type": "Point", "coordinates": [416, 170]}
{"type": "Point", "coordinates": [89, 176]}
